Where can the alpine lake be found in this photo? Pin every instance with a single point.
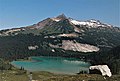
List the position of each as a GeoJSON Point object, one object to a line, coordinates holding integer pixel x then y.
{"type": "Point", "coordinates": [58, 65]}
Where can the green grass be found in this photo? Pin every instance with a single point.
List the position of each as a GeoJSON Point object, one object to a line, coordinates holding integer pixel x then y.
{"type": "Point", "coordinates": [13, 76]}
{"type": "Point", "coordinates": [19, 75]}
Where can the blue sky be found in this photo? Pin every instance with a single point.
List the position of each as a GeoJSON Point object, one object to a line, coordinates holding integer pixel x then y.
{"type": "Point", "coordinates": [17, 13]}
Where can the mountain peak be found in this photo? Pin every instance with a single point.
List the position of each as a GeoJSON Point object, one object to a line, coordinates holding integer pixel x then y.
{"type": "Point", "coordinates": [61, 16]}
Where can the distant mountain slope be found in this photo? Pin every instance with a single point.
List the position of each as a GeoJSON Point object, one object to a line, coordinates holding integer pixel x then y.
{"type": "Point", "coordinates": [82, 34]}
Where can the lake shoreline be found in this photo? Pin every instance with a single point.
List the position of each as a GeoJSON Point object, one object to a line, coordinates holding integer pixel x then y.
{"type": "Point", "coordinates": [55, 65]}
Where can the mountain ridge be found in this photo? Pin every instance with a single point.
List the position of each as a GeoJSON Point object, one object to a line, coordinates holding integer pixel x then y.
{"type": "Point", "coordinates": [67, 27]}
{"type": "Point", "coordinates": [62, 16]}
{"type": "Point", "coordinates": [92, 31]}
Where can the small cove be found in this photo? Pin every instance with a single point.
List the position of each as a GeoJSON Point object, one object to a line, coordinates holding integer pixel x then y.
{"type": "Point", "coordinates": [59, 65]}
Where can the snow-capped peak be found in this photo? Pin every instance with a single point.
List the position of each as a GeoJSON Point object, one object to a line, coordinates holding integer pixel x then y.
{"type": "Point", "coordinates": [89, 23]}
{"type": "Point", "coordinates": [92, 23]}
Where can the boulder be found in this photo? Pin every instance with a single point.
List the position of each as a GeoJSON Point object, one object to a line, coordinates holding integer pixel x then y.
{"type": "Point", "coordinates": [104, 69]}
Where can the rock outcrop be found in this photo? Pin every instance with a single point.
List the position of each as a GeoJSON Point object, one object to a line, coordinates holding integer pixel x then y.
{"type": "Point", "coordinates": [104, 69]}
{"type": "Point", "coordinates": [75, 46]}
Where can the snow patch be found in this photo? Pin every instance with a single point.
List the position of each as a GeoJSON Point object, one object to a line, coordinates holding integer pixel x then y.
{"type": "Point", "coordinates": [32, 47]}
{"type": "Point", "coordinates": [68, 35]}
{"type": "Point", "coordinates": [53, 50]}
{"type": "Point", "coordinates": [90, 23]}
{"type": "Point", "coordinates": [55, 19]}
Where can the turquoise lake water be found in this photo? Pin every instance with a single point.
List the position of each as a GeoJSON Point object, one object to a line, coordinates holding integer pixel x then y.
{"type": "Point", "coordinates": [53, 64]}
